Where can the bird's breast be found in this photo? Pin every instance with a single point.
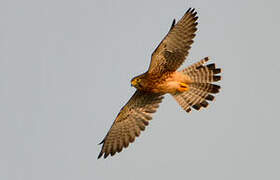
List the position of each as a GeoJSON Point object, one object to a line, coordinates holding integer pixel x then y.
{"type": "Point", "coordinates": [168, 83]}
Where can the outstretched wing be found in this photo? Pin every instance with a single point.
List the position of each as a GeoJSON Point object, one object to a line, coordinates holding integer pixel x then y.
{"type": "Point", "coordinates": [132, 118]}
{"type": "Point", "coordinates": [173, 49]}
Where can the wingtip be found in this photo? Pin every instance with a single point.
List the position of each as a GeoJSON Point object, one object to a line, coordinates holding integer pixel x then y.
{"type": "Point", "coordinates": [173, 24]}
{"type": "Point", "coordinates": [106, 155]}
{"type": "Point", "coordinates": [192, 10]}
{"type": "Point", "coordinates": [101, 142]}
{"type": "Point", "coordinates": [100, 155]}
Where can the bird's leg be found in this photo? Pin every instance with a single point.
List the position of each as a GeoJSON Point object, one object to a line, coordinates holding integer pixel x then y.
{"type": "Point", "coordinates": [183, 87]}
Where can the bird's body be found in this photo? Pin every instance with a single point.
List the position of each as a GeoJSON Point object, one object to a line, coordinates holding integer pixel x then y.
{"type": "Point", "coordinates": [191, 87]}
{"type": "Point", "coordinates": [170, 82]}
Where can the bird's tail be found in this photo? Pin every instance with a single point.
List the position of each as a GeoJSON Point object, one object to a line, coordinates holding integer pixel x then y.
{"type": "Point", "coordinates": [201, 89]}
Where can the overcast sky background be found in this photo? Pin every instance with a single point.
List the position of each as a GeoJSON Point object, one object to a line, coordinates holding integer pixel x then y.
{"type": "Point", "coordinates": [65, 71]}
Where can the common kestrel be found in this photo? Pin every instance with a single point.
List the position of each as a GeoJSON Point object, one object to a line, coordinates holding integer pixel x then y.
{"type": "Point", "coordinates": [192, 87]}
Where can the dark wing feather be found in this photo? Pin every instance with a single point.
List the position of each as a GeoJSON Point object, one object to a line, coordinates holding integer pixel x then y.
{"type": "Point", "coordinates": [173, 49]}
{"type": "Point", "coordinates": [132, 119]}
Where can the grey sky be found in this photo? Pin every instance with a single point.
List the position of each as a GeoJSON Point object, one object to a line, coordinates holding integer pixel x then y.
{"type": "Point", "coordinates": [65, 70]}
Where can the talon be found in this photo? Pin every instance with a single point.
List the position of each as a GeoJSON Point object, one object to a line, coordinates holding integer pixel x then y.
{"type": "Point", "coordinates": [183, 87]}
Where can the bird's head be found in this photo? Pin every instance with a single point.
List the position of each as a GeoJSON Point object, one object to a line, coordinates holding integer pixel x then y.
{"type": "Point", "coordinates": [137, 82]}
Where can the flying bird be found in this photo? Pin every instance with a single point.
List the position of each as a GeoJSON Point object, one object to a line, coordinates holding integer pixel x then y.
{"type": "Point", "coordinates": [191, 87]}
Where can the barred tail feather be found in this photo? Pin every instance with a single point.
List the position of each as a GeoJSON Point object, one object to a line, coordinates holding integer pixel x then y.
{"type": "Point", "coordinates": [201, 73]}
{"type": "Point", "coordinates": [201, 89]}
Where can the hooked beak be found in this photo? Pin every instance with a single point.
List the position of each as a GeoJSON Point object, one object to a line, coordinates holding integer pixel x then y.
{"type": "Point", "coordinates": [133, 83]}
